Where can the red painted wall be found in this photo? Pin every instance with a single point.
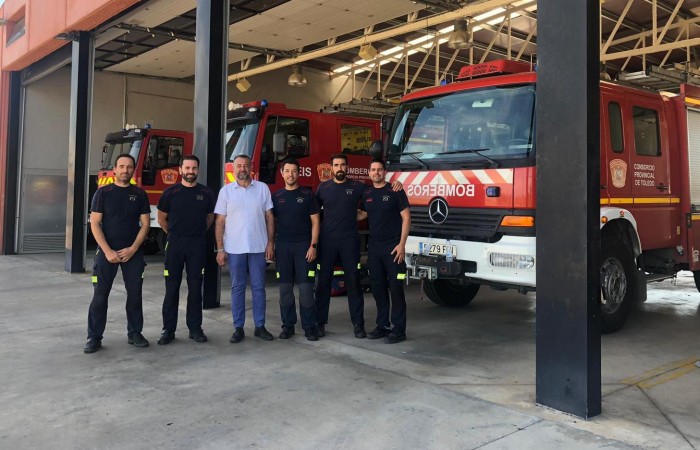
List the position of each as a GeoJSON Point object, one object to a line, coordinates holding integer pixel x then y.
{"type": "Point", "coordinates": [44, 20]}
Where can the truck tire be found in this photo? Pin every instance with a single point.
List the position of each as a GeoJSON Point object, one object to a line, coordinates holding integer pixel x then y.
{"type": "Point", "coordinates": [450, 293]}
{"type": "Point", "coordinates": [617, 283]}
{"type": "Point", "coordinates": [155, 242]}
{"type": "Point", "coordinates": [696, 276]}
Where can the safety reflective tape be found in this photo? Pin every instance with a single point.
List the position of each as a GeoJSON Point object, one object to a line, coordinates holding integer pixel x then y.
{"type": "Point", "coordinates": [318, 267]}
{"type": "Point", "coordinates": [278, 274]}
{"type": "Point", "coordinates": [142, 274]}
{"type": "Point", "coordinates": [133, 181]}
{"type": "Point", "coordinates": [312, 273]}
{"type": "Point", "coordinates": [94, 278]}
{"type": "Point", "coordinates": [202, 271]}
{"type": "Point", "coordinates": [359, 266]}
{"type": "Point", "coordinates": [640, 200]}
{"type": "Point", "coordinates": [400, 276]}
{"type": "Point", "coordinates": [338, 272]}
{"type": "Point", "coordinates": [166, 273]}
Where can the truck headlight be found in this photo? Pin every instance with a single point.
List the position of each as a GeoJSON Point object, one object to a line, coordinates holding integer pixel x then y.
{"type": "Point", "coordinates": [511, 261]}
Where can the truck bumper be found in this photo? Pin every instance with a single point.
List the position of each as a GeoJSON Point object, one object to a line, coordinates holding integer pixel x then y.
{"type": "Point", "coordinates": [509, 262]}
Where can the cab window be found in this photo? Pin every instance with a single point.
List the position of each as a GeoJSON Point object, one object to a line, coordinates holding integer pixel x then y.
{"type": "Point", "coordinates": [646, 131]}
{"type": "Point", "coordinates": [297, 131]}
{"type": "Point", "coordinates": [615, 121]}
{"type": "Point", "coordinates": [355, 139]}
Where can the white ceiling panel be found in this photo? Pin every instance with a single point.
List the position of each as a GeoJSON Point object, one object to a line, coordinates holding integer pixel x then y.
{"type": "Point", "coordinates": [160, 11]}
{"type": "Point", "coordinates": [303, 22]}
{"type": "Point", "coordinates": [172, 60]}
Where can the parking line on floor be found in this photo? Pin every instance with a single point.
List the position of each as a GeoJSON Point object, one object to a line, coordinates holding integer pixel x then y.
{"type": "Point", "coordinates": [664, 373]}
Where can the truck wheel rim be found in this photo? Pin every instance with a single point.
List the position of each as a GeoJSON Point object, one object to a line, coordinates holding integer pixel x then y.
{"type": "Point", "coordinates": [613, 284]}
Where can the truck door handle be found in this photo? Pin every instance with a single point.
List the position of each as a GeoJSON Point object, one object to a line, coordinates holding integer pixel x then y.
{"type": "Point", "coordinates": [662, 187]}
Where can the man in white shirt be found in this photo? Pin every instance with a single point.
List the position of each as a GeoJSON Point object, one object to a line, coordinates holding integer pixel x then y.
{"type": "Point", "coordinates": [245, 236]}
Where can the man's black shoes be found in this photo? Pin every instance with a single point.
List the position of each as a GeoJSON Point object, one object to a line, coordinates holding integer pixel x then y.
{"type": "Point", "coordinates": [312, 334]}
{"type": "Point", "coordinates": [237, 336]}
{"type": "Point", "coordinates": [92, 345]}
{"type": "Point", "coordinates": [137, 340]}
{"type": "Point", "coordinates": [198, 336]}
{"type": "Point", "coordinates": [166, 337]}
{"type": "Point", "coordinates": [286, 333]}
{"type": "Point", "coordinates": [360, 332]}
{"type": "Point", "coordinates": [263, 334]}
{"type": "Point", "coordinates": [394, 338]}
{"type": "Point", "coordinates": [321, 331]}
{"type": "Point", "coordinates": [378, 333]}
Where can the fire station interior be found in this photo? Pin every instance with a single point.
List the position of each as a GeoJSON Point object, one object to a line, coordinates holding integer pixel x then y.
{"type": "Point", "coordinates": [359, 58]}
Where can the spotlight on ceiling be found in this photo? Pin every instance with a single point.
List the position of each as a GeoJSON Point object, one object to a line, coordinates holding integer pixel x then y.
{"type": "Point", "coordinates": [367, 52]}
{"type": "Point", "coordinates": [297, 78]}
{"type": "Point", "coordinates": [243, 85]}
{"type": "Point", "coordinates": [460, 36]}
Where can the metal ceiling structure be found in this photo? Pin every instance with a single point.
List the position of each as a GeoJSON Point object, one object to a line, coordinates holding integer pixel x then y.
{"type": "Point", "coordinates": [639, 39]}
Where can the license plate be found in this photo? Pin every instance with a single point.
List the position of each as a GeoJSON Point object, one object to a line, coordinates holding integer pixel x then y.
{"type": "Point", "coordinates": [436, 249]}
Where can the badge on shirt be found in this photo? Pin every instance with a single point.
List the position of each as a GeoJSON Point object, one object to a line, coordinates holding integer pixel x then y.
{"type": "Point", "coordinates": [132, 197]}
{"type": "Point", "coordinates": [385, 198]}
{"type": "Point", "coordinates": [200, 197]}
{"type": "Point", "coordinates": [300, 199]}
{"type": "Point", "coordinates": [348, 191]}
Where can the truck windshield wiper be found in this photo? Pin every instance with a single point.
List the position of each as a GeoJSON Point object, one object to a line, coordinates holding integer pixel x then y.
{"type": "Point", "coordinates": [477, 151]}
{"type": "Point", "coordinates": [420, 161]}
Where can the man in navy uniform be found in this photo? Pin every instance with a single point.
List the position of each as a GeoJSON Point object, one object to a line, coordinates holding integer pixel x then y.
{"type": "Point", "coordinates": [297, 222]}
{"type": "Point", "coordinates": [389, 224]}
{"type": "Point", "coordinates": [119, 221]}
{"type": "Point", "coordinates": [340, 240]}
{"type": "Point", "coordinates": [185, 212]}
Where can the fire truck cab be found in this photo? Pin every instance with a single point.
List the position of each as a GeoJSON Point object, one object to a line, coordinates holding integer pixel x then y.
{"type": "Point", "coordinates": [270, 132]}
{"type": "Point", "coordinates": [466, 155]}
{"type": "Point", "coordinates": [157, 154]}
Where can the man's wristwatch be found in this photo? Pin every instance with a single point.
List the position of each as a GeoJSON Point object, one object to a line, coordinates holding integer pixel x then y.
{"type": "Point", "coordinates": [314, 245]}
{"type": "Point", "coordinates": [219, 250]}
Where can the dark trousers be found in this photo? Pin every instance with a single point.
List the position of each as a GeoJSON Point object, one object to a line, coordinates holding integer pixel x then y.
{"type": "Point", "coordinates": [347, 251]}
{"type": "Point", "coordinates": [388, 277]}
{"type": "Point", "coordinates": [188, 252]}
{"type": "Point", "coordinates": [103, 274]}
{"type": "Point", "coordinates": [292, 267]}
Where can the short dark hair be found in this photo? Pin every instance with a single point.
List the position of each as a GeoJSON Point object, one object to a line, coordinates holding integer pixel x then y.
{"type": "Point", "coordinates": [125, 155]}
{"type": "Point", "coordinates": [189, 158]}
{"type": "Point", "coordinates": [291, 161]}
{"type": "Point", "coordinates": [378, 161]}
{"type": "Point", "coordinates": [339, 156]}
{"type": "Point", "coordinates": [242, 155]}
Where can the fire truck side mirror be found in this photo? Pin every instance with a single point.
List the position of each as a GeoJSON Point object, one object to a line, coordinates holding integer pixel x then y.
{"type": "Point", "coordinates": [104, 154]}
{"type": "Point", "coordinates": [279, 143]}
{"type": "Point", "coordinates": [376, 151]}
{"type": "Point", "coordinates": [387, 122]}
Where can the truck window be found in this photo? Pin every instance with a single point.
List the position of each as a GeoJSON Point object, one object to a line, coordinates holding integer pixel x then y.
{"type": "Point", "coordinates": [615, 120]}
{"type": "Point", "coordinates": [646, 131]}
{"type": "Point", "coordinates": [355, 139]}
{"type": "Point", "coordinates": [297, 131]}
{"type": "Point", "coordinates": [164, 152]}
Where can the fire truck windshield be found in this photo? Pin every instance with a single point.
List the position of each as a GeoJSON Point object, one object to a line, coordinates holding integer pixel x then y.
{"type": "Point", "coordinates": [113, 149]}
{"type": "Point", "coordinates": [240, 139]}
{"type": "Point", "coordinates": [490, 127]}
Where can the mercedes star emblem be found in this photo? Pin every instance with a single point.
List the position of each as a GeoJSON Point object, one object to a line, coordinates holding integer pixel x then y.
{"type": "Point", "coordinates": [438, 210]}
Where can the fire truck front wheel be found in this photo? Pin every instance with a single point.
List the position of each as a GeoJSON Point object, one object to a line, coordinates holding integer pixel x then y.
{"type": "Point", "coordinates": [450, 293]}
{"type": "Point", "coordinates": [616, 283]}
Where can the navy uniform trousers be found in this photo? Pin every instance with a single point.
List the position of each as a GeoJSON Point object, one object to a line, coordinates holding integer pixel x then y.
{"type": "Point", "coordinates": [292, 267]}
{"type": "Point", "coordinates": [347, 251]}
{"type": "Point", "coordinates": [188, 252]}
{"type": "Point", "coordinates": [103, 274]}
{"type": "Point", "coordinates": [387, 277]}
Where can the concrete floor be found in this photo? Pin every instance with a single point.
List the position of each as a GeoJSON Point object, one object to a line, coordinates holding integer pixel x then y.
{"type": "Point", "coordinates": [463, 379]}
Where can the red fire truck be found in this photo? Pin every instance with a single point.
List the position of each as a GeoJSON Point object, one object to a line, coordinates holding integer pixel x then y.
{"type": "Point", "coordinates": [267, 132]}
{"type": "Point", "coordinates": [465, 153]}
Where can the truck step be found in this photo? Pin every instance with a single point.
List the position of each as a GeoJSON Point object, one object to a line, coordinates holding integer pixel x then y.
{"type": "Point", "coordinates": [651, 277]}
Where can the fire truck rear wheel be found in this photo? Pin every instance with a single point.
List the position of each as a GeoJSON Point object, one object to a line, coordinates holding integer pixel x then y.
{"type": "Point", "coordinates": [696, 275]}
{"type": "Point", "coordinates": [616, 284]}
{"type": "Point", "coordinates": [450, 293]}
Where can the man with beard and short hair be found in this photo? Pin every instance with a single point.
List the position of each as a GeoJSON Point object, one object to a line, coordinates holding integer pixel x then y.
{"type": "Point", "coordinates": [339, 240]}
{"type": "Point", "coordinates": [119, 221]}
{"type": "Point", "coordinates": [389, 223]}
{"type": "Point", "coordinates": [185, 212]}
{"type": "Point", "coordinates": [245, 228]}
{"type": "Point", "coordinates": [298, 222]}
